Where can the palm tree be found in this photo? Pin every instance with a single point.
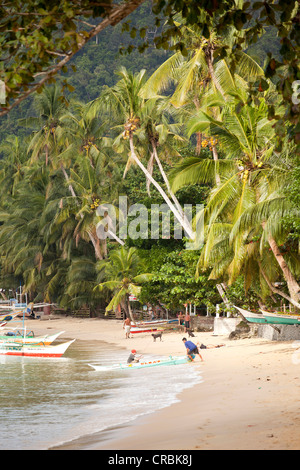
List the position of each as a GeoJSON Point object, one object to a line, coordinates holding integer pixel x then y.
{"type": "Point", "coordinates": [249, 203]}
{"type": "Point", "coordinates": [199, 72]}
{"type": "Point", "coordinates": [94, 175]}
{"type": "Point", "coordinates": [22, 243]}
{"type": "Point", "coordinates": [123, 100]}
{"type": "Point", "coordinates": [65, 138]}
{"type": "Point", "coordinates": [122, 274]}
{"type": "Point", "coordinates": [12, 166]}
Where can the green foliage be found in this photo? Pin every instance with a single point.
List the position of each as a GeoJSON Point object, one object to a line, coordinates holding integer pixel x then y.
{"type": "Point", "coordinates": [249, 19]}
{"type": "Point", "coordinates": [174, 283]}
{"type": "Point", "coordinates": [76, 158]}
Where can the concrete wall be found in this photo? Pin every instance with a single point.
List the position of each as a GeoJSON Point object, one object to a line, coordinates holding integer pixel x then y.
{"type": "Point", "coordinates": [224, 326]}
{"type": "Point", "coordinates": [199, 323]}
{"type": "Point", "coordinates": [279, 332]}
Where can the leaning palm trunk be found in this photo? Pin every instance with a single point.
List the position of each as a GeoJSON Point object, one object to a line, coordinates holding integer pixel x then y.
{"type": "Point", "coordinates": [178, 216]}
{"type": "Point", "coordinates": [216, 158]}
{"type": "Point", "coordinates": [129, 308]}
{"type": "Point", "coordinates": [209, 57]}
{"type": "Point", "coordinates": [277, 291]}
{"type": "Point", "coordinates": [162, 171]}
{"type": "Point", "coordinates": [292, 284]}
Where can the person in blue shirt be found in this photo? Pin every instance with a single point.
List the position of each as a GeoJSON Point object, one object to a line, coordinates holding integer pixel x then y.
{"type": "Point", "coordinates": [191, 349]}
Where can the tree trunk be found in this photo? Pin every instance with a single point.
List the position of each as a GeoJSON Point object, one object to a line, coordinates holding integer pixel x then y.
{"type": "Point", "coordinates": [129, 309]}
{"type": "Point", "coordinates": [292, 284]}
{"type": "Point", "coordinates": [186, 226]}
{"type": "Point", "coordinates": [209, 60]}
{"type": "Point", "coordinates": [198, 142]}
{"type": "Point", "coordinates": [278, 291]}
{"type": "Point", "coordinates": [216, 158]}
{"type": "Point", "coordinates": [162, 172]}
{"type": "Point", "coordinates": [94, 239]}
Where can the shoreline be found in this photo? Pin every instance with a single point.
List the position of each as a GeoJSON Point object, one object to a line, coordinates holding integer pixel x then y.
{"type": "Point", "coordinates": [248, 399]}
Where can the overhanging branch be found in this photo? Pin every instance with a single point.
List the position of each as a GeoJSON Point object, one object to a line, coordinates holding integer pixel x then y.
{"type": "Point", "coordinates": [115, 16]}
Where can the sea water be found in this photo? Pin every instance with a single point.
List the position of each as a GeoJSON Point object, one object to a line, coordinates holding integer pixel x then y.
{"type": "Point", "coordinates": [47, 402]}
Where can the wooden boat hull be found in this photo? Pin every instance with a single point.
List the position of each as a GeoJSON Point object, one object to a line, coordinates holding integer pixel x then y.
{"type": "Point", "coordinates": [150, 326]}
{"type": "Point", "coordinates": [137, 329]}
{"type": "Point", "coordinates": [278, 319]}
{"type": "Point", "coordinates": [8, 316]}
{"type": "Point", "coordinates": [141, 365]}
{"type": "Point", "coordinates": [252, 317]}
{"type": "Point", "coordinates": [11, 349]}
{"type": "Point", "coordinates": [31, 340]}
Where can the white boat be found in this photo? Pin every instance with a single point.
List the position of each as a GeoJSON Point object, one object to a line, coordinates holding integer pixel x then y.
{"type": "Point", "coordinates": [281, 319]}
{"type": "Point", "coordinates": [18, 337]}
{"type": "Point", "coordinates": [141, 365]}
{"type": "Point", "coordinates": [7, 317]}
{"type": "Point", "coordinates": [250, 316]}
{"type": "Point", "coordinates": [20, 308]}
{"type": "Point", "coordinates": [149, 326]}
{"type": "Point", "coordinates": [17, 349]}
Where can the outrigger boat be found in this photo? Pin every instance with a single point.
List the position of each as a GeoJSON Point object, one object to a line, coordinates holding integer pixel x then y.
{"type": "Point", "coordinates": [269, 317]}
{"type": "Point", "coordinates": [23, 338]}
{"type": "Point", "coordinates": [141, 365]}
{"type": "Point", "coordinates": [150, 326]}
{"type": "Point", "coordinates": [251, 317]}
{"type": "Point", "coordinates": [15, 349]}
{"type": "Point", "coordinates": [21, 308]}
{"type": "Point", "coordinates": [7, 317]}
{"type": "Point", "coordinates": [282, 319]}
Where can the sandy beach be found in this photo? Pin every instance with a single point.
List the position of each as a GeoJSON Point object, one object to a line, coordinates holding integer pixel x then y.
{"type": "Point", "coordinates": [249, 398]}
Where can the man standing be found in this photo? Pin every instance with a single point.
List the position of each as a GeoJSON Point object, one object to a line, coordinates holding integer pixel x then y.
{"type": "Point", "coordinates": [187, 320]}
{"type": "Point", "coordinates": [127, 327]}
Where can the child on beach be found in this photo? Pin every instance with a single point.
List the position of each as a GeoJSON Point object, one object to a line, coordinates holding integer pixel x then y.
{"type": "Point", "coordinates": [133, 357]}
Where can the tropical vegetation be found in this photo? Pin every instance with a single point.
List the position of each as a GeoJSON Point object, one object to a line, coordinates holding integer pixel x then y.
{"type": "Point", "coordinates": [189, 132]}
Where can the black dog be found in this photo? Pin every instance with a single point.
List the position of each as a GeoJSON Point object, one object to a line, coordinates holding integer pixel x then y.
{"type": "Point", "coordinates": [191, 334]}
{"type": "Point", "coordinates": [156, 335]}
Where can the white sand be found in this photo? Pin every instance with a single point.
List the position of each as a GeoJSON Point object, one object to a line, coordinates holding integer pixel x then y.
{"type": "Point", "coordinates": [249, 398]}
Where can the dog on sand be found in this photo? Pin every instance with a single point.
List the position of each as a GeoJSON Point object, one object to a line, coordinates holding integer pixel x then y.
{"type": "Point", "coordinates": [190, 333]}
{"type": "Point", "coordinates": [156, 335]}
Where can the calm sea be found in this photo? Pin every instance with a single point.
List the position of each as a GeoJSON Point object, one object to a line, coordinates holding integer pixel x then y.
{"type": "Point", "coordinates": [49, 402]}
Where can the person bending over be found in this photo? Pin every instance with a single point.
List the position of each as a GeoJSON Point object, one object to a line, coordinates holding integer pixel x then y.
{"type": "Point", "coordinates": [191, 349]}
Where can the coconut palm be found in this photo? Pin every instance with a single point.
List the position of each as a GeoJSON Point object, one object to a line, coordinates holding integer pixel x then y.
{"type": "Point", "coordinates": [123, 101]}
{"type": "Point", "coordinates": [12, 166]}
{"type": "Point", "coordinates": [66, 138]}
{"type": "Point", "coordinates": [123, 276]}
{"type": "Point", "coordinates": [22, 242]}
{"type": "Point", "coordinates": [199, 72]}
{"type": "Point", "coordinates": [249, 202]}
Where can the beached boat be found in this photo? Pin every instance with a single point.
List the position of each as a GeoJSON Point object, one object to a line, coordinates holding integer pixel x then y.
{"type": "Point", "coordinates": [150, 326]}
{"type": "Point", "coordinates": [250, 316]}
{"type": "Point", "coordinates": [22, 309]}
{"type": "Point", "coordinates": [19, 337]}
{"type": "Point", "coordinates": [141, 365]}
{"type": "Point", "coordinates": [17, 349]}
{"type": "Point", "coordinates": [281, 319]}
{"type": "Point", "coordinates": [7, 317]}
